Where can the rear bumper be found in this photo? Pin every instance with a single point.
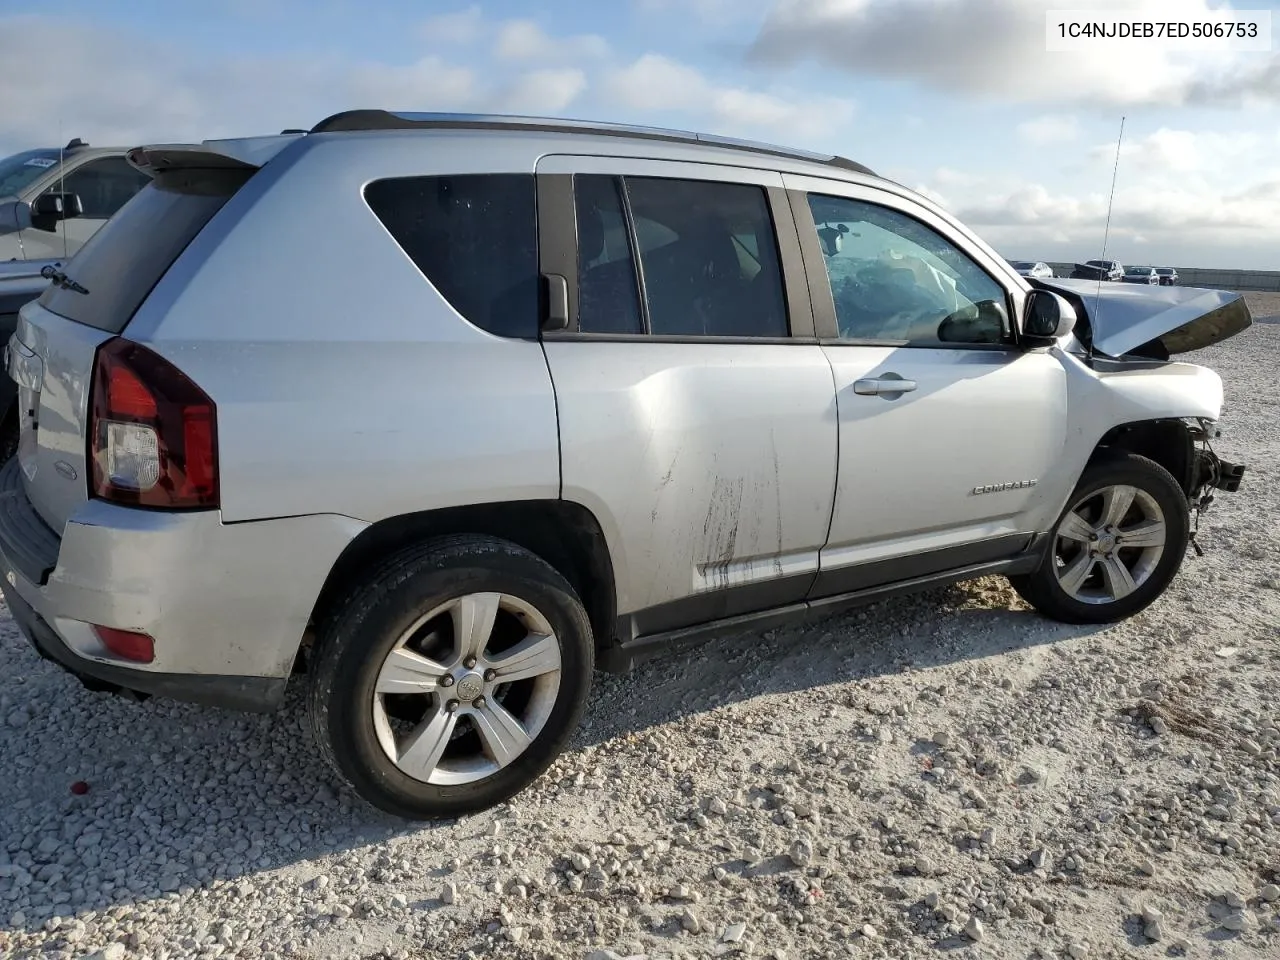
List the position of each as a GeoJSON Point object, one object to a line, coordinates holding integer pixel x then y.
{"type": "Point", "coordinates": [226, 604]}
{"type": "Point", "coordinates": [233, 693]}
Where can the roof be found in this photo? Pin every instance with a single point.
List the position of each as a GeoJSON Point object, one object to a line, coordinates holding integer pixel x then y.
{"type": "Point", "coordinates": [352, 120]}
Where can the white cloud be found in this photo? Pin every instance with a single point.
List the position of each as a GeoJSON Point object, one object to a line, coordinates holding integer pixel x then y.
{"type": "Point", "coordinates": [525, 40]}
{"type": "Point", "coordinates": [544, 91]}
{"type": "Point", "coordinates": [1050, 129]}
{"type": "Point", "coordinates": [114, 88]}
{"type": "Point", "coordinates": [1170, 151]}
{"type": "Point", "coordinates": [656, 83]}
{"type": "Point", "coordinates": [996, 49]}
{"type": "Point", "coordinates": [458, 27]}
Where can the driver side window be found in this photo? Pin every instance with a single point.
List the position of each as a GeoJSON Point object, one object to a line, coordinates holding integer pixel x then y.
{"type": "Point", "coordinates": [895, 280]}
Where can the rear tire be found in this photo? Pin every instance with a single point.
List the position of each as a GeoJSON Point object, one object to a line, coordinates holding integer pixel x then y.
{"type": "Point", "coordinates": [451, 677]}
{"type": "Point", "coordinates": [1116, 547]}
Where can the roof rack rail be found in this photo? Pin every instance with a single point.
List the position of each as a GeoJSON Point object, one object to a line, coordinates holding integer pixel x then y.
{"type": "Point", "coordinates": [349, 120]}
{"type": "Point", "coordinates": [75, 144]}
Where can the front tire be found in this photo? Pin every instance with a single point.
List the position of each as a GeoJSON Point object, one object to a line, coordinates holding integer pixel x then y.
{"type": "Point", "coordinates": [451, 678]}
{"type": "Point", "coordinates": [1116, 547]}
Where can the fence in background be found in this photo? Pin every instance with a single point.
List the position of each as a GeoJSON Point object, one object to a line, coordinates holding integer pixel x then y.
{"type": "Point", "coordinates": [1262, 281]}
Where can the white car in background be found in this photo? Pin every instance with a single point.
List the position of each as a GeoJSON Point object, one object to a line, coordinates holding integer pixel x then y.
{"type": "Point", "coordinates": [1033, 268]}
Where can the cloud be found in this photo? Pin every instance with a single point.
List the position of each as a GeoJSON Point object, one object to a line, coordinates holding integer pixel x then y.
{"type": "Point", "coordinates": [996, 49]}
{"type": "Point", "coordinates": [113, 87]}
{"type": "Point", "coordinates": [544, 91]}
{"type": "Point", "coordinates": [455, 28]}
{"type": "Point", "coordinates": [654, 82]}
{"type": "Point", "coordinates": [1170, 151]}
{"type": "Point", "coordinates": [525, 40]}
{"type": "Point", "coordinates": [1050, 129]}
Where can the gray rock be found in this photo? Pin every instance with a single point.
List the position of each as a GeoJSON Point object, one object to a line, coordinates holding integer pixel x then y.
{"type": "Point", "coordinates": [400, 901]}
{"type": "Point", "coordinates": [1270, 893]}
{"type": "Point", "coordinates": [449, 895]}
{"type": "Point", "coordinates": [112, 951]}
{"type": "Point", "coordinates": [733, 933]}
{"type": "Point", "coordinates": [974, 930]}
{"type": "Point", "coordinates": [1078, 950]}
{"type": "Point", "coordinates": [802, 852]}
{"type": "Point", "coordinates": [1237, 922]}
{"type": "Point", "coordinates": [690, 922]}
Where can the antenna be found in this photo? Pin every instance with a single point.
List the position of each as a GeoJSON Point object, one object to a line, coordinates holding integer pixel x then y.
{"type": "Point", "coordinates": [62, 189]}
{"type": "Point", "coordinates": [1106, 230]}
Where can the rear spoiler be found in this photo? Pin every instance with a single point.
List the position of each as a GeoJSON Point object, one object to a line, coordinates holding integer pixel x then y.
{"type": "Point", "coordinates": [245, 154]}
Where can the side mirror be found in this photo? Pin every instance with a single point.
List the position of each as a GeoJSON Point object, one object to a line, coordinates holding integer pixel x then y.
{"type": "Point", "coordinates": [1047, 319]}
{"type": "Point", "coordinates": [49, 208]}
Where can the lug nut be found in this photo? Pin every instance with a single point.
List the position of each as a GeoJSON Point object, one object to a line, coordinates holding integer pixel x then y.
{"type": "Point", "coordinates": [489, 675]}
{"type": "Point", "coordinates": [446, 681]}
{"type": "Point", "coordinates": [470, 663]}
{"type": "Point", "coordinates": [451, 706]}
{"type": "Point", "coordinates": [478, 703]}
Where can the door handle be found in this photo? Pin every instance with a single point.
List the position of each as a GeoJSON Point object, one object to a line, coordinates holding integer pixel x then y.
{"type": "Point", "coordinates": [881, 386]}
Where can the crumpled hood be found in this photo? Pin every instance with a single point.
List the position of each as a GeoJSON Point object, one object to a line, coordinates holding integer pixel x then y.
{"type": "Point", "coordinates": [1125, 316]}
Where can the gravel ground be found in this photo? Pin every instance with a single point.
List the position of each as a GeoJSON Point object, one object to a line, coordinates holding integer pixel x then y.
{"type": "Point", "coordinates": [940, 772]}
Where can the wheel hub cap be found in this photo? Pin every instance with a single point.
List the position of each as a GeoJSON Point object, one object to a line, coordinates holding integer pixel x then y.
{"type": "Point", "coordinates": [469, 687]}
{"type": "Point", "coordinates": [1106, 543]}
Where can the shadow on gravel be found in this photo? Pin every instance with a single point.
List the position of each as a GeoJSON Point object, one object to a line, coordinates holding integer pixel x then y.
{"type": "Point", "coordinates": [180, 796]}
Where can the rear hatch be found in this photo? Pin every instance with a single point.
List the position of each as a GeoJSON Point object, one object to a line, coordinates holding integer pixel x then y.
{"type": "Point", "coordinates": [92, 298]}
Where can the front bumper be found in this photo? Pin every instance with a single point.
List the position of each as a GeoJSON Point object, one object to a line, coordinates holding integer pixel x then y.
{"type": "Point", "coordinates": [226, 604]}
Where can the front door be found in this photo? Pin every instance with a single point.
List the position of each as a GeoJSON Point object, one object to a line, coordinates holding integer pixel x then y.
{"type": "Point", "coordinates": [696, 408]}
{"type": "Point", "coordinates": [947, 427]}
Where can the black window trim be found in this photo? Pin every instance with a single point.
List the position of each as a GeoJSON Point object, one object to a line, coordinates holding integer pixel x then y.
{"type": "Point", "coordinates": [558, 257]}
{"type": "Point", "coordinates": [824, 307]}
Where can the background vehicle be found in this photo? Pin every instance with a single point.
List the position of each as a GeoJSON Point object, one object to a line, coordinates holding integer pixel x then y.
{"type": "Point", "coordinates": [1168, 276]}
{"type": "Point", "coordinates": [1109, 269]}
{"type": "Point", "coordinates": [1032, 268]}
{"type": "Point", "coordinates": [1145, 275]}
{"type": "Point", "coordinates": [544, 463]}
{"type": "Point", "coordinates": [53, 200]}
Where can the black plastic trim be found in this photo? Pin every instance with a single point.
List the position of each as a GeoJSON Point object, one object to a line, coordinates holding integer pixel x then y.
{"type": "Point", "coordinates": [256, 694]}
{"type": "Point", "coordinates": [358, 120]}
{"type": "Point", "coordinates": [863, 576]}
{"type": "Point", "coordinates": [718, 605]}
{"type": "Point", "coordinates": [557, 234]}
{"type": "Point", "coordinates": [633, 650]}
{"type": "Point", "coordinates": [794, 276]}
{"type": "Point", "coordinates": [25, 539]}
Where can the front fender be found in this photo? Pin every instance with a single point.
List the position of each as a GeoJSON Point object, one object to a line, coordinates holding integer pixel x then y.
{"type": "Point", "coordinates": [1103, 395]}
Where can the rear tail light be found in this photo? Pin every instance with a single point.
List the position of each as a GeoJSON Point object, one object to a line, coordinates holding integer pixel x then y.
{"type": "Point", "coordinates": [152, 432]}
{"type": "Point", "coordinates": [127, 644]}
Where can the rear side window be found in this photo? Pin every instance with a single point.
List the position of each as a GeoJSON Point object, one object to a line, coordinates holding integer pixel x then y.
{"type": "Point", "coordinates": [123, 261]}
{"type": "Point", "coordinates": [475, 237]}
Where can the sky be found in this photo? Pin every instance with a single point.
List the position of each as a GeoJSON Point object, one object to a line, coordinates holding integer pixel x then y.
{"type": "Point", "coordinates": [958, 99]}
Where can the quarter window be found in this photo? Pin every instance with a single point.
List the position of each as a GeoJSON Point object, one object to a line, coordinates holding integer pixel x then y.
{"type": "Point", "coordinates": [894, 279]}
{"type": "Point", "coordinates": [475, 237]}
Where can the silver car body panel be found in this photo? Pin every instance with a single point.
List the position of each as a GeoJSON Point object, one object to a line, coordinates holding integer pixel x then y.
{"type": "Point", "coordinates": [348, 392]}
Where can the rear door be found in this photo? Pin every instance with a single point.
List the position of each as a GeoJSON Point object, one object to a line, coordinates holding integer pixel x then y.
{"type": "Point", "coordinates": [51, 355]}
{"type": "Point", "coordinates": [695, 405]}
{"type": "Point", "coordinates": [947, 426]}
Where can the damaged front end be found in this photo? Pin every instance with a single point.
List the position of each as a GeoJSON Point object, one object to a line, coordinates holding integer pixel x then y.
{"type": "Point", "coordinates": [1150, 322]}
{"type": "Point", "coordinates": [1209, 473]}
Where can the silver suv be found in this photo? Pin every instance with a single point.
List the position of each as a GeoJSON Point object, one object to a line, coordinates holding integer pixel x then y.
{"type": "Point", "coordinates": [446, 411]}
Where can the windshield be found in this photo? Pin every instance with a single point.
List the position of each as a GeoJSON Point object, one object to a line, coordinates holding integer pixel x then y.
{"type": "Point", "coordinates": [20, 170]}
{"type": "Point", "coordinates": [1138, 270]}
{"type": "Point", "coordinates": [1164, 271]}
{"type": "Point", "coordinates": [1022, 264]}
